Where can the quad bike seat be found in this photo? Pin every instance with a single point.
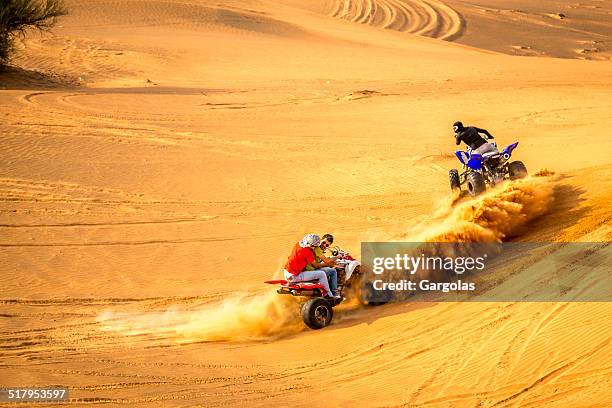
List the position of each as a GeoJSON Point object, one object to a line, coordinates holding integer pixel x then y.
{"type": "Point", "coordinates": [285, 283]}
{"type": "Point", "coordinates": [490, 154]}
{"type": "Point", "coordinates": [306, 281]}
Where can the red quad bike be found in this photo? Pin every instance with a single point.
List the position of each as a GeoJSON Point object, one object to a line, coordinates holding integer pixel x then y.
{"type": "Point", "coordinates": [317, 311]}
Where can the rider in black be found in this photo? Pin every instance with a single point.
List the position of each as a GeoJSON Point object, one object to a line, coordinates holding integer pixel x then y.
{"type": "Point", "coordinates": [470, 135]}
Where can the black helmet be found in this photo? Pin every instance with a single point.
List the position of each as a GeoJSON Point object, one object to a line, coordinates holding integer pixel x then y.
{"type": "Point", "coordinates": [457, 126]}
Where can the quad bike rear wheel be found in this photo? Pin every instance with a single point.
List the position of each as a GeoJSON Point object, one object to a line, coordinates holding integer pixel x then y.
{"type": "Point", "coordinates": [453, 176]}
{"type": "Point", "coordinates": [517, 170]}
{"type": "Point", "coordinates": [475, 184]}
{"type": "Point", "coordinates": [317, 313]}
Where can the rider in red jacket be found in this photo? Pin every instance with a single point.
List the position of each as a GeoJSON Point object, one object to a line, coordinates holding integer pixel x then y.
{"type": "Point", "coordinates": [302, 255]}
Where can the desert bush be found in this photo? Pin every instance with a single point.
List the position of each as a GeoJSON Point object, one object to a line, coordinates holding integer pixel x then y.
{"type": "Point", "coordinates": [17, 16]}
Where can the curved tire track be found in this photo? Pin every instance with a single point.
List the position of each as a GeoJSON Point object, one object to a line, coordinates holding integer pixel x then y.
{"type": "Point", "coordinates": [430, 18]}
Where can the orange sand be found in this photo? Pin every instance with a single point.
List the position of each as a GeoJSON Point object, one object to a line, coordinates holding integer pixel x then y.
{"type": "Point", "coordinates": [160, 158]}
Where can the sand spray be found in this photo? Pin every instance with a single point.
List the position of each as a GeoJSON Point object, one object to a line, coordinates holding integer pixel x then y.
{"type": "Point", "coordinates": [499, 213]}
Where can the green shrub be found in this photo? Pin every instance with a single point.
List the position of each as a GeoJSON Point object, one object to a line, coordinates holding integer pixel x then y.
{"type": "Point", "coordinates": [17, 16]}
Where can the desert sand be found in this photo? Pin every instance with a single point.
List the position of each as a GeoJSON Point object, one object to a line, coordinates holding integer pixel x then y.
{"type": "Point", "coordinates": [159, 159]}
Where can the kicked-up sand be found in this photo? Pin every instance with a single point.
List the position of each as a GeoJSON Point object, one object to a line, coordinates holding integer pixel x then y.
{"type": "Point", "coordinates": [159, 159]}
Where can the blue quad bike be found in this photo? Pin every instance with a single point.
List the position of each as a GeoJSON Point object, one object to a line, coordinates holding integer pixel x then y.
{"type": "Point", "coordinates": [490, 168]}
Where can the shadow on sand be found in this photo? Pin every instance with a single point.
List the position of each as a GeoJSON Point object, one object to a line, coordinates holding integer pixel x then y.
{"type": "Point", "coordinates": [16, 78]}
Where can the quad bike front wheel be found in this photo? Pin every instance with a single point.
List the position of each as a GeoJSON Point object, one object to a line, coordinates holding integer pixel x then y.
{"type": "Point", "coordinates": [453, 176]}
{"type": "Point", "coordinates": [317, 313]}
{"type": "Point", "coordinates": [475, 184]}
{"type": "Point", "coordinates": [362, 290]}
{"type": "Point", "coordinates": [517, 170]}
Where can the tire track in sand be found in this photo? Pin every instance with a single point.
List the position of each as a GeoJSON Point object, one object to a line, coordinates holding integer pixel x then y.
{"type": "Point", "coordinates": [552, 374]}
{"type": "Point", "coordinates": [430, 18]}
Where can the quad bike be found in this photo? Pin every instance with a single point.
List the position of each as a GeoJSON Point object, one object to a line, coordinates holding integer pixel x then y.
{"type": "Point", "coordinates": [317, 311]}
{"type": "Point", "coordinates": [490, 168]}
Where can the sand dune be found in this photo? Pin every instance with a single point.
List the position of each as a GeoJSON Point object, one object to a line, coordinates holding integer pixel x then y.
{"type": "Point", "coordinates": [551, 28]}
{"type": "Point", "coordinates": [160, 158]}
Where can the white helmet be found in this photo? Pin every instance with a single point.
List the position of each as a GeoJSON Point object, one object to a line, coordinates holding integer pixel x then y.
{"type": "Point", "coordinates": [310, 240]}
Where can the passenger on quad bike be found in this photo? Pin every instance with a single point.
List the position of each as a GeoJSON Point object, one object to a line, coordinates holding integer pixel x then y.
{"type": "Point", "coordinates": [471, 136]}
{"type": "Point", "coordinates": [302, 255]}
{"type": "Point", "coordinates": [319, 252]}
